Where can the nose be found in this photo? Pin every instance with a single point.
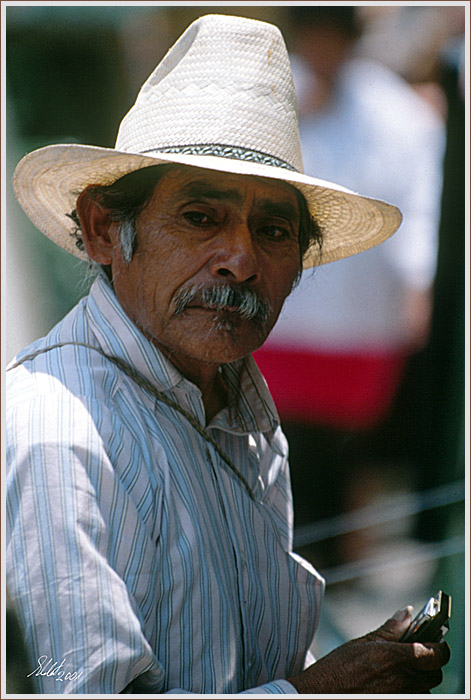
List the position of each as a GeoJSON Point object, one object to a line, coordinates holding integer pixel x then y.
{"type": "Point", "coordinates": [236, 259]}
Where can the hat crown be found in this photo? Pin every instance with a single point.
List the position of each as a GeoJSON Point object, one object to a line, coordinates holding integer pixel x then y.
{"type": "Point", "coordinates": [224, 88]}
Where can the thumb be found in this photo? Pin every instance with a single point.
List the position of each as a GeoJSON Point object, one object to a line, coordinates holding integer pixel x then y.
{"type": "Point", "coordinates": [393, 629]}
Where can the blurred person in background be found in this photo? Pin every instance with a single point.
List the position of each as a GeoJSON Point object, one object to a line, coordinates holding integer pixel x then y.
{"type": "Point", "coordinates": [426, 45]}
{"type": "Point", "coordinates": [337, 355]}
{"type": "Point", "coordinates": [148, 493]}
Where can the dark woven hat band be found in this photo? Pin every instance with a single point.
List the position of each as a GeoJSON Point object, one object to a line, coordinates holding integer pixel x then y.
{"type": "Point", "coordinates": [223, 151]}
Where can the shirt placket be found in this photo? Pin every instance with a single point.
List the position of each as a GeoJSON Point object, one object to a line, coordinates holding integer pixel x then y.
{"type": "Point", "coordinates": [234, 528]}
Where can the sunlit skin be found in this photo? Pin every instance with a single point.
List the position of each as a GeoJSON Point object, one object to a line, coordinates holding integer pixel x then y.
{"type": "Point", "coordinates": [201, 227]}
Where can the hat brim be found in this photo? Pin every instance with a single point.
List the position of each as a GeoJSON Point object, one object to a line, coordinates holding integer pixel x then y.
{"type": "Point", "coordinates": [48, 181]}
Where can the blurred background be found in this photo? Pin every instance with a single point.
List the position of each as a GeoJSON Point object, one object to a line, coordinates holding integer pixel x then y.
{"type": "Point", "coordinates": [366, 363]}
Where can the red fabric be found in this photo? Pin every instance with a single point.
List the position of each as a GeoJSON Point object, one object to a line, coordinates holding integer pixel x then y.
{"type": "Point", "coordinates": [342, 390]}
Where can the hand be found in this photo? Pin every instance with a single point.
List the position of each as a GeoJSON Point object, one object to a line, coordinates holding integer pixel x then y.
{"type": "Point", "coordinates": [377, 663]}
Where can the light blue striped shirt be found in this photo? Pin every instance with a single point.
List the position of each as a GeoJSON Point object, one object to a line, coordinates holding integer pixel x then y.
{"type": "Point", "coordinates": [134, 554]}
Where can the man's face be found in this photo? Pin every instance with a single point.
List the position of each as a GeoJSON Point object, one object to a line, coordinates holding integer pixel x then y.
{"type": "Point", "coordinates": [201, 230]}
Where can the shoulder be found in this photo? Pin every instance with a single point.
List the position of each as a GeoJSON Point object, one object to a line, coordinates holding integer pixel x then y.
{"type": "Point", "coordinates": [61, 394]}
{"type": "Point", "coordinates": [82, 442]}
{"type": "Point", "coordinates": [61, 369]}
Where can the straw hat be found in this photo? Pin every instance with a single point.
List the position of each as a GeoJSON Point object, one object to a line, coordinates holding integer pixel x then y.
{"type": "Point", "coordinates": [222, 98]}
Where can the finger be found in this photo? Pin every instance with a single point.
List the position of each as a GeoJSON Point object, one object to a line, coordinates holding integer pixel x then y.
{"type": "Point", "coordinates": [393, 629]}
{"type": "Point", "coordinates": [429, 656]}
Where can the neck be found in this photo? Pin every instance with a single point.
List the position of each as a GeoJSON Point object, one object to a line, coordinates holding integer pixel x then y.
{"type": "Point", "coordinates": [207, 378]}
{"type": "Point", "coordinates": [216, 399]}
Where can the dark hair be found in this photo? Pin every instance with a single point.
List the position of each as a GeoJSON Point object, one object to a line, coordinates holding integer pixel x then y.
{"type": "Point", "coordinates": [310, 232]}
{"type": "Point", "coordinates": [124, 199]}
{"type": "Point", "coordinates": [127, 197]}
{"type": "Point", "coordinates": [343, 18]}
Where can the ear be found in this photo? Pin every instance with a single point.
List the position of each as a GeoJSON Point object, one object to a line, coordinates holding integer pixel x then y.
{"type": "Point", "coordinates": [98, 231]}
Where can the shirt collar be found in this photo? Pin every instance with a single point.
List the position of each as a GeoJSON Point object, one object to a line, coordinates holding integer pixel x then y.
{"type": "Point", "coordinates": [119, 337]}
{"type": "Point", "coordinates": [251, 408]}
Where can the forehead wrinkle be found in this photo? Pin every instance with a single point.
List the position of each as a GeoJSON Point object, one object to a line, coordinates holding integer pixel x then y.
{"type": "Point", "coordinates": [200, 189]}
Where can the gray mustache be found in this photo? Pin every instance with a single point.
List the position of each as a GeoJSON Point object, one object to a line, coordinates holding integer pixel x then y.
{"type": "Point", "coordinates": [247, 303]}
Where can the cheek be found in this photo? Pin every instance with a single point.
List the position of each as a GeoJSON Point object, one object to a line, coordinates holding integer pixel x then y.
{"type": "Point", "coordinates": [162, 266]}
{"type": "Point", "coordinates": [136, 284]}
{"type": "Point", "coordinates": [165, 248]}
{"type": "Point", "coordinates": [282, 280]}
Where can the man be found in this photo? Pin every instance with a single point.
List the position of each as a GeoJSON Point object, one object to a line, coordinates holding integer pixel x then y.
{"type": "Point", "coordinates": [149, 499]}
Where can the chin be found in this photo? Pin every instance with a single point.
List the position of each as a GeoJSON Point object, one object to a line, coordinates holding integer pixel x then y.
{"type": "Point", "coordinates": [229, 342]}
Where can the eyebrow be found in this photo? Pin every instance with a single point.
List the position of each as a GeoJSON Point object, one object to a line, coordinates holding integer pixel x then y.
{"type": "Point", "coordinates": [200, 189]}
{"type": "Point", "coordinates": [284, 209]}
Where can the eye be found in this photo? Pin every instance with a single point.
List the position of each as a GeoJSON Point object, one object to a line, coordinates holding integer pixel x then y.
{"type": "Point", "coordinates": [198, 218]}
{"type": "Point", "coordinates": [275, 232]}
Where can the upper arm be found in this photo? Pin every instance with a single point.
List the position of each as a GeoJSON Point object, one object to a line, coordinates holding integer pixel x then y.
{"type": "Point", "coordinates": [81, 552]}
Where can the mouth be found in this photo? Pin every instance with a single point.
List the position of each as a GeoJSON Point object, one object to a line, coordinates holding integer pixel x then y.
{"type": "Point", "coordinates": [216, 310]}
{"type": "Point", "coordinates": [225, 320]}
{"type": "Point", "coordinates": [224, 301]}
